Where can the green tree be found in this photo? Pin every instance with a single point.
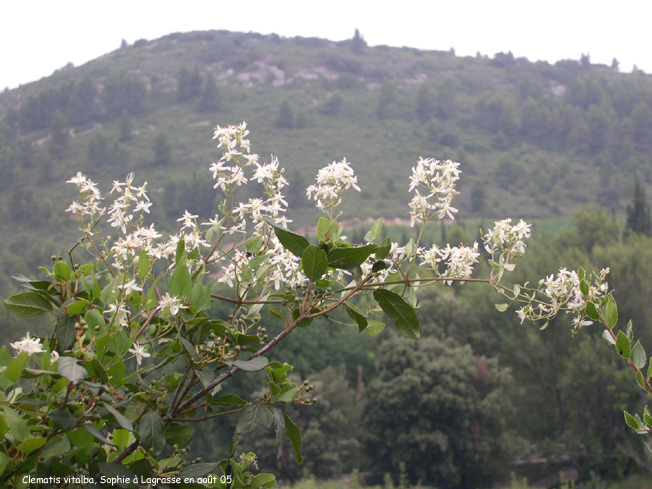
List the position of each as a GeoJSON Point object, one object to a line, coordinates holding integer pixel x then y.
{"type": "Point", "coordinates": [358, 44]}
{"type": "Point", "coordinates": [210, 96]}
{"type": "Point", "coordinates": [184, 85]}
{"type": "Point", "coordinates": [123, 91]}
{"type": "Point", "coordinates": [285, 117]}
{"type": "Point", "coordinates": [387, 96]}
{"type": "Point", "coordinates": [82, 106]}
{"type": "Point", "coordinates": [126, 126]}
{"type": "Point", "coordinates": [162, 150]}
{"type": "Point", "coordinates": [423, 104]}
{"type": "Point", "coordinates": [60, 136]}
{"type": "Point", "coordinates": [638, 213]}
{"type": "Point", "coordinates": [443, 409]}
{"type": "Point", "coordinates": [196, 82]}
{"type": "Point", "coordinates": [333, 105]}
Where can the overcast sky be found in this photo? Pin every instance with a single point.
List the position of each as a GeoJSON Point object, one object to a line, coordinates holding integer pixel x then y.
{"type": "Point", "coordinates": [39, 36]}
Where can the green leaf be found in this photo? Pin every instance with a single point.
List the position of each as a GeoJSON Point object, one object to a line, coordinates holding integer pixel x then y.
{"type": "Point", "coordinates": [94, 319]}
{"type": "Point", "coordinates": [649, 369]}
{"type": "Point", "coordinates": [360, 320]}
{"type": "Point", "coordinates": [611, 313]}
{"type": "Point", "coordinates": [646, 417]}
{"type": "Point", "coordinates": [31, 444]}
{"type": "Point", "coordinates": [253, 365]}
{"type": "Point", "coordinates": [279, 428]}
{"type": "Point", "coordinates": [315, 262]}
{"type": "Point", "coordinates": [346, 258]}
{"type": "Point", "coordinates": [264, 480]}
{"type": "Point", "coordinates": [178, 434]}
{"type": "Point", "coordinates": [180, 281]}
{"type": "Point", "coordinates": [410, 248]}
{"type": "Point", "coordinates": [121, 420]}
{"type": "Point", "coordinates": [205, 377]}
{"type": "Point", "coordinates": [641, 380]}
{"type": "Point", "coordinates": [190, 348]}
{"type": "Point", "coordinates": [63, 420]}
{"type": "Point", "coordinates": [584, 288]}
{"type": "Point", "coordinates": [631, 422]}
{"type": "Point", "coordinates": [121, 438]}
{"type": "Point", "coordinates": [17, 425]}
{"type": "Point", "coordinates": [28, 305]}
{"type": "Point", "coordinates": [399, 311]}
{"type": "Point", "coordinates": [181, 251]}
{"type": "Point", "coordinates": [69, 368]}
{"type": "Point", "coordinates": [592, 311]}
{"type": "Point", "coordinates": [16, 367]}
{"type": "Point", "coordinates": [581, 273]}
{"type": "Point", "coordinates": [638, 355]}
{"type": "Point", "coordinates": [93, 430]}
{"type": "Point", "coordinates": [118, 472]}
{"type": "Point", "coordinates": [606, 335]}
{"type": "Point", "coordinates": [323, 230]}
{"type": "Point", "coordinates": [229, 400]}
{"type": "Point", "coordinates": [64, 331]}
{"type": "Point", "coordinates": [378, 266]}
{"type": "Point", "coordinates": [254, 244]}
{"type": "Point", "coordinates": [254, 413]}
{"type": "Point", "coordinates": [501, 307]}
{"type": "Point", "coordinates": [374, 232]}
{"type": "Point", "coordinates": [277, 313]}
{"type": "Point", "coordinates": [144, 264]}
{"type": "Point", "coordinates": [623, 346]}
{"type": "Point", "coordinates": [384, 249]}
{"type": "Point", "coordinates": [4, 462]}
{"type": "Point", "coordinates": [76, 308]}
{"type": "Point", "coordinates": [374, 327]}
{"type": "Point", "coordinates": [195, 471]}
{"type": "Point", "coordinates": [295, 243]}
{"type": "Point", "coordinates": [62, 270]}
{"type": "Point", "coordinates": [57, 445]}
{"type": "Point", "coordinates": [152, 432]}
{"type": "Point", "coordinates": [294, 434]}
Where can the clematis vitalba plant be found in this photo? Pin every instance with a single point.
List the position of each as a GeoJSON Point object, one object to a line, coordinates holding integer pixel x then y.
{"type": "Point", "coordinates": [136, 362]}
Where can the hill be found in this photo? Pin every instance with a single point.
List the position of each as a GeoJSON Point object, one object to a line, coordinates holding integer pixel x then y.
{"type": "Point", "coordinates": [535, 140]}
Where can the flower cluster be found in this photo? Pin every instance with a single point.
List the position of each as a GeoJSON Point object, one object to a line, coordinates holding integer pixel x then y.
{"type": "Point", "coordinates": [332, 180]}
{"type": "Point", "coordinates": [505, 238]}
{"type": "Point", "coordinates": [439, 179]}
{"type": "Point", "coordinates": [460, 260]}
{"type": "Point", "coordinates": [89, 203]}
{"type": "Point", "coordinates": [564, 292]}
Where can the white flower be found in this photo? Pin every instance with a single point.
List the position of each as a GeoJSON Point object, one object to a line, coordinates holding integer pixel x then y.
{"type": "Point", "coordinates": [171, 304]}
{"type": "Point", "coordinates": [28, 345]}
{"type": "Point", "coordinates": [130, 286]}
{"type": "Point", "coordinates": [332, 180]}
{"type": "Point", "coordinates": [188, 220]}
{"type": "Point", "coordinates": [507, 238]}
{"type": "Point", "coordinates": [439, 179]}
{"type": "Point", "coordinates": [54, 357]}
{"type": "Point", "coordinates": [139, 352]}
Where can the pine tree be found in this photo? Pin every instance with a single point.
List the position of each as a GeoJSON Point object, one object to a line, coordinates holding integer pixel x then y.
{"type": "Point", "coordinates": [162, 150]}
{"type": "Point", "coordinates": [210, 96]}
{"type": "Point", "coordinates": [638, 213]}
{"type": "Point", "coordinates": [59, 130]}
{"type": "Point", "coordinates": [358, 44]}
{"type": "Point", "coordinates": [184, 91]}
{"type": "Point", "coordinates": [285, 115]}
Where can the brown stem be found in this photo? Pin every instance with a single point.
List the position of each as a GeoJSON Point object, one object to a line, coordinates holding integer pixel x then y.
{"type": "Point", "coordinates": [149, 320]}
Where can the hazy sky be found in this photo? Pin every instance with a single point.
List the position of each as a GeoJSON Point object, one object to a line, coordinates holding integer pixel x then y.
{"type": "Point", "coordinates": [40, 36]}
